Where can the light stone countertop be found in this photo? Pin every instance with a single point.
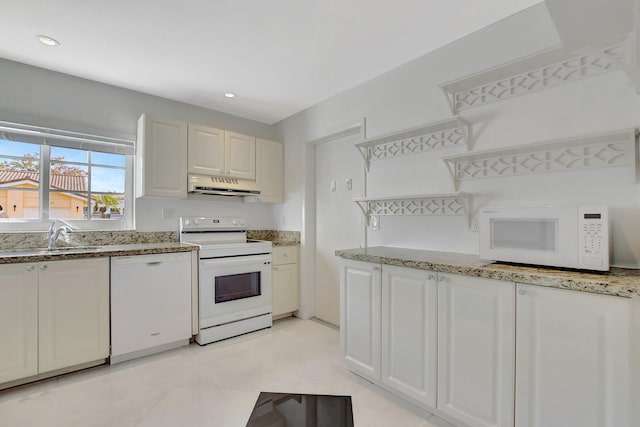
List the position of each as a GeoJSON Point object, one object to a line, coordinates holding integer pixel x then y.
{"type": "Point", "coordinates": [35, 255]}
{"type": "Point", "coordinates": [620, 282]}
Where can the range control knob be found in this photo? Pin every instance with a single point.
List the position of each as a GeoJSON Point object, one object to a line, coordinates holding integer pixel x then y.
{"type": "Point", "coordinates": [196, 222]}
{"type": "Point", "coordinates": [187, 222]}
{"type": "Point", "coordinates": [234, 222]}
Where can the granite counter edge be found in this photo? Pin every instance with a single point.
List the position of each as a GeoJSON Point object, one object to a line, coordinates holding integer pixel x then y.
{"type": "Point", "coordinates": [489, 272]}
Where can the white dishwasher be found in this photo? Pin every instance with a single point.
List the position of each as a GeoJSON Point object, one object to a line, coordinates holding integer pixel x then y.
{"type": "Point", "coordinates": [150, 304]}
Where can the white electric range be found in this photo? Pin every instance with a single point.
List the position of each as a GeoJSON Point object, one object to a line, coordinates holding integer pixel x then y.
{"type": "Point", "coordinates": [234, 289]}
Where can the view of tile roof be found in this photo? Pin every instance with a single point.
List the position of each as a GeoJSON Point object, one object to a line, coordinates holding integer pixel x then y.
{"type": "Point", "coordinates": [73, 183]}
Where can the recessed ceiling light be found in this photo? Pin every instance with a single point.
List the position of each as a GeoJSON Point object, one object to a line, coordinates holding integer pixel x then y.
{"type": "Point", "coordinates": [230, 95]}
{"type": "Point", "coordinates": [48, 40]}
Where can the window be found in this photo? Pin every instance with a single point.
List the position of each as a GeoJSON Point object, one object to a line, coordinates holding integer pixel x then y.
{"type": "Point", "coordinates": [45, 175]}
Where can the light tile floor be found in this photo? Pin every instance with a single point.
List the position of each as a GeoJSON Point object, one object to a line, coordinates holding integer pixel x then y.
{"type": "Point", "coordinates": [215, 385]}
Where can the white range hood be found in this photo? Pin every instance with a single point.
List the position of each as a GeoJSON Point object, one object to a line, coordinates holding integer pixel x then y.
{"type": "Point", "coordinates": [221, 186]}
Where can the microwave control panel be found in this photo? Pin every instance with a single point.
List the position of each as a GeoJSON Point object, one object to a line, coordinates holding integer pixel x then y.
{"type": "Point", "coordinates": [593, 241]}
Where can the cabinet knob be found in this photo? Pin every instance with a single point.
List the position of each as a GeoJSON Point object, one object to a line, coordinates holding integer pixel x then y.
{"type": "Point", "coordinates": [431, 277]}
{"type": "Point", "coordinates": [376, 268]}
{"type": "Point", "coordinates": [31, 267]}
{"type": "Point", "coordinates": [276, 269]}
{"type": "Point", "coordinates": [43, 267]}
{"type": "Point", "coordinates": [523, 292]}
{"type": "Point", "coordinates": [442, 278]}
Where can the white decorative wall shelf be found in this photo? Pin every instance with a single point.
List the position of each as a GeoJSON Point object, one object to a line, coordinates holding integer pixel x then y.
{"type": "Point", "coordinates": [540, 71]}
{"type": "Point", "coordinates": [585, 152]}
{"type": "Point", "coordinates": [433, 204]}
{"type": "Point", "coordinates": [447, 133]}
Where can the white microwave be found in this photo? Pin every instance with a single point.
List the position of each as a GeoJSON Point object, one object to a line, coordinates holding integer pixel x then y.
{"type": "Point", "coordinates": [553, 236]}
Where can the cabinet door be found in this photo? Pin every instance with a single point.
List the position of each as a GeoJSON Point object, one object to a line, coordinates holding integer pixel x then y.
{"type": "Point", "coordinates": [206, 150]}
{"type": "Point", "coordinates": [270, 171]}
{"type": "Point", "coordinates": [161, 158]}
{"type": "Point", "coordinates": [285, 289]}
{"type": "Point", "coordinates": [573, 359]}
{"type": "Point", "coordinates": [18, 321]}
{"type": "Point", "coordinates": [73, 312]}
{"type": "Point", "coordinates": [240, 155]}
{"type": "Point", "coordinates": [476, 350]}
{"type": "Point", "coordinates": [409, 332]}
{"type": "Point", "coordinates": [360, 317]}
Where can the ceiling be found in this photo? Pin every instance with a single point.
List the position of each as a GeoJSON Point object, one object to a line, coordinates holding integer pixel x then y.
{"type": "Point", "coordinates": [278, 56]}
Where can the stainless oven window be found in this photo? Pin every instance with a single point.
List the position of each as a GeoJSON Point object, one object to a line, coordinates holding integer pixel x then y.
{"type": "Point", "coordinates": [237, 286]}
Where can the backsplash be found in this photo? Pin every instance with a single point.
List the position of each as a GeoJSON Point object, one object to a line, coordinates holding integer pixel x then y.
{"type": "Point", "coordinates": [274, 235]}
{"type": "Point", "coordinates": [37, 239]}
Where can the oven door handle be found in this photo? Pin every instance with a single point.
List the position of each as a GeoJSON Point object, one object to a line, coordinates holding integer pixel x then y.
{"type": "Point", "coordinates": [265, 259]}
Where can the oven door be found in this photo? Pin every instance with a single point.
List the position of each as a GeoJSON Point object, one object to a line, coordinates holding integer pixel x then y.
{"type": "Point", "coordinates": [234, 288]}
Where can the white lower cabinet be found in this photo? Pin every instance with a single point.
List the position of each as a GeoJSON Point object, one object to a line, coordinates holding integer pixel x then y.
{"type": "Point", "coordinates": [573, 364]}
{"type": "Point", "coordinates": [388, 327]}
{"type": "Point", "coordinates": [360, 317]}
{"type": "Point", "coordinates": [18, 321]}
{"type": "Point", "coordinates": [53, 315]}
{"type": "Point", "coordinates": [409, 333]}
{"type": "Point", "coordinates": [286, 285]}
{"type": "Point", "coordinates": [476, 350]}
{"type": "Point", "coordinates": [566, 358]}
{"type": "Point", "coordinates": [73, 319]}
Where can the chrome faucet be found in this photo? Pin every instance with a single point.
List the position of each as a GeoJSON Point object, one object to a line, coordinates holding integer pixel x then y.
{"type": "Point", "coordinates": [54, 233]}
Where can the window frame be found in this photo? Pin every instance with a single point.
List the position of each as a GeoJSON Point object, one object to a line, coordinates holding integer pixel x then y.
{"type": "Point", "coordinates": [46, 139]}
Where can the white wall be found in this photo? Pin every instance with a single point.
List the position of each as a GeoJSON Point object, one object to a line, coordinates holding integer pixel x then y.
{"type": "Point", "coordinates": [45, 98]}
{"type": "Point", "coordinates": [410, 96]}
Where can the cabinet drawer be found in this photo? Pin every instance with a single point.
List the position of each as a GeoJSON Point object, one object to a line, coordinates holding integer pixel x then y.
{"type": "Point", "coordinates": [285, 255]}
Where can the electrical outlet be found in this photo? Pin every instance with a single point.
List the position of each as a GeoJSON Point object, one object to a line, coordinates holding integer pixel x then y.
{"type": "Point", "coordinates": [475, 224]}
{"type": "Point", "coordinates": [332, 186]}
{"type": "Point", "coordinates": [374, 222]}
{"type": "Point", "coordinates": [348, 183]}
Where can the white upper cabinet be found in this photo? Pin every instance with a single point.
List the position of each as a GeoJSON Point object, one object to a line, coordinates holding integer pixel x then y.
{"type": "Point", "coordinates": [161, 158]}
{"type": "Point", "coordinates": [269, 171]}
{"type": "Point", "coordinates": [206, 150]}
{"type": "Point", "coordinates": [240, 155]}
{"type": "Point", "coordinates": [573, 359]}
{"type": "Point", "coordinates": [216, 152]}
{"type": "Point", "coordinates": [476, 350]}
